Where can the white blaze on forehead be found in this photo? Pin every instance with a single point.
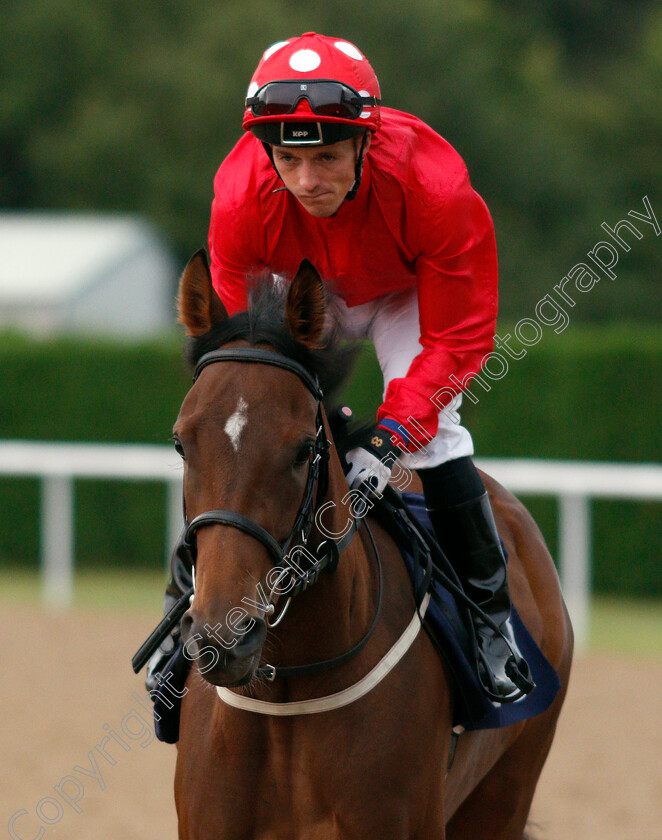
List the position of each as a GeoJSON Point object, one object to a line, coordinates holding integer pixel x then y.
{"type": "Point", "coordinates": [236, 422]}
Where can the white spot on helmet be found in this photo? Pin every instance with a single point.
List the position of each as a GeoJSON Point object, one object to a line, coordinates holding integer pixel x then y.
{"type": "Point", "coordinates": [348, 49]}
{"type": "Point", "coordinates": [364, 113]}
{"type": "Point", "coordinates": [303, 61]}
{"type": "Point", "coordinates": [252, 88]}
{"type": "Point", "coordinates": [273, 49]}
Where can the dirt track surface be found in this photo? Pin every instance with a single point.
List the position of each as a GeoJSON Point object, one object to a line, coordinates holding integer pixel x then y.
{"type": "Point", "coordinates": [67, 684]}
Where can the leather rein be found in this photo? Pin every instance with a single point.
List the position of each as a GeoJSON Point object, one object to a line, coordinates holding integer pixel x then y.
{"type": "Point", "coordinates": [327, 552]}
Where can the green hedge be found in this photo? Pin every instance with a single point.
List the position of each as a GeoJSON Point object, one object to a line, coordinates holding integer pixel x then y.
{"type": "Point", "coordinates": [588, 394]}
{"type": "Point", "coordinates": [93, 391]}
{"type": "Point", "coordinates": [592, 394]}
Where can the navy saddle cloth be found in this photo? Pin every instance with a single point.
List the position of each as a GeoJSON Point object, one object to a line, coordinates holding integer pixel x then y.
{"type": "Point", "coordinates": [443, 621]}
{"type": "Point", "coordinates": [473, 709]}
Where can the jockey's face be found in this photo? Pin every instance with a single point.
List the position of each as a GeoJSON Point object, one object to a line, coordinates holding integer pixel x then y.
{"type": "Point", "coordinates": [319, 177]}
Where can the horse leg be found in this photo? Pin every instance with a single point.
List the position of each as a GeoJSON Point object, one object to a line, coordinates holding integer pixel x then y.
{"type": "Point", "coordinates": [498, 808]}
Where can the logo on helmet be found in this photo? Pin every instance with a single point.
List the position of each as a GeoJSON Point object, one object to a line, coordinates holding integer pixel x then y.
{"type": "Point", "coordinates": [300, 133]}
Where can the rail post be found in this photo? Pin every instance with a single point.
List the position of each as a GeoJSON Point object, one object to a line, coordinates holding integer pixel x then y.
{"type": "Point", "coordinates": [57, 540]}
{"type": "Point", "coordinates": [175, 517]}
{"type": "Point", "coordinates": [575, 561]}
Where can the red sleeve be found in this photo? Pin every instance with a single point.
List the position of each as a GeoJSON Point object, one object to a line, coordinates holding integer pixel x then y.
{"type": "Point", "coordinates": [457, 283]}
{"type": "Point", "coordinates": [233, 255]}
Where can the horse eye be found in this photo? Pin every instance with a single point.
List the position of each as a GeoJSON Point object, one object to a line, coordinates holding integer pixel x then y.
{"type": "Point", "coordinates": [303, 454]}
{"type": "Point", "coordinates": [179, 447]}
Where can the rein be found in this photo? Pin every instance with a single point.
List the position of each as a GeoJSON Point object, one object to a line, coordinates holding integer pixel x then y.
{"type": "Point", "coordinates": [340, 698]}
{"type": "Point", "coordinates": [300, 533]}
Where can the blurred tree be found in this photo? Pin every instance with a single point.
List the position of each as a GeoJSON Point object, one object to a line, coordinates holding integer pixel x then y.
{"type": "Point", "coordinates": [118, 105]}
{"type": "Point", "coordinates": [109, 104]}
{"type": "Point", "coordinates": [590, 31]}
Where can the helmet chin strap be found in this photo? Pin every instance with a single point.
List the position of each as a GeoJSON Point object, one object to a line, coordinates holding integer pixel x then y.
{"type": "Point", "coordinates": [358, 169]}
{"type": "Point", "coordinates": [270, 153]}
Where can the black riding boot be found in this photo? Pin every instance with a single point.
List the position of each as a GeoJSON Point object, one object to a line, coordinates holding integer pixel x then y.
{"type": "Point", "coordinates": [468, 536]}
{"type": "Point", "coordinates": [180, 581]}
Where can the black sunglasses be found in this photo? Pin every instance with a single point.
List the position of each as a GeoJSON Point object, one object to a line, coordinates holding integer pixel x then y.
{"type": "Point", "coordinates": [326, 98]}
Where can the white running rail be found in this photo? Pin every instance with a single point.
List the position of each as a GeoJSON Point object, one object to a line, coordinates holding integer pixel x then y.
{"type": "Point", "coordinates": [573, 483]}
{"type": "Point", "coordinates": [58, 465]}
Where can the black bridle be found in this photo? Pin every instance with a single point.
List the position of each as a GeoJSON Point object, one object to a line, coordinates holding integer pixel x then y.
{"type": "Point", "coordinates": [328, 551]}
{"type": "Point", "coordinates": [317, 471]}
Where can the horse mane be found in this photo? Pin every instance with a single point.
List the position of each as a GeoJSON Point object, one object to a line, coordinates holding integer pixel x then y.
{"type": "Point", "coordinates": [263, 323]}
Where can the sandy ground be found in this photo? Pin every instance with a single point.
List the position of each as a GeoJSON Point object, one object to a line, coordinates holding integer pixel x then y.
{"type": "Point", "coordinates": [67, 684]}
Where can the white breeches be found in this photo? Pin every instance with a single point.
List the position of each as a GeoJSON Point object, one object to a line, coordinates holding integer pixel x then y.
{"type": "Point", "coordinates": [392, 324]}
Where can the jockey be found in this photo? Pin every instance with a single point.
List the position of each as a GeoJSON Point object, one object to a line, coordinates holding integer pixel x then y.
{"type": "Point", "coordinates": [383, 207]}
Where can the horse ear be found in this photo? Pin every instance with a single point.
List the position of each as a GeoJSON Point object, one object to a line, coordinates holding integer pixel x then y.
{"type": "Point", "coordinates": [305, 307]}
{"type": "Point", "coordinates": [199, 307]}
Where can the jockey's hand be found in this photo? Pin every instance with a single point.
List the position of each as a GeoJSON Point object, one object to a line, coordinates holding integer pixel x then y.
{"type": "Point", "coordinates": [371, 462]}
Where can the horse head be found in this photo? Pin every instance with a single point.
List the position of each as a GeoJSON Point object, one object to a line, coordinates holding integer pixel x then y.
{"type": "Point", "coordinates": [248, 435]}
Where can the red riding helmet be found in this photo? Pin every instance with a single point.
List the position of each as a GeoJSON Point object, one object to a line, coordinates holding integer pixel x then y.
{"type": "Point", "coordinates": [312, 90]}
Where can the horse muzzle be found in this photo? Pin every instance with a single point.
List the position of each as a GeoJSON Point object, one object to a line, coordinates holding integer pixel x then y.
{"type": "Point", "coordinates": [224, 656]}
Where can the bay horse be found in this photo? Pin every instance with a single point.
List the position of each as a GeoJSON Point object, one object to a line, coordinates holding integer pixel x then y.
{"type": "Point", "coordinates": [248, 431]}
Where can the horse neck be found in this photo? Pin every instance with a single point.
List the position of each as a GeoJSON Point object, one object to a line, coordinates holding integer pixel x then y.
{"type": "Point", "coordinates": [332, 615]}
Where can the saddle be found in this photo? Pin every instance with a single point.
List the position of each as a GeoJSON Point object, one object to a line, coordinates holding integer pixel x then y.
{"type": "Point", "coordinates": [447, 620]}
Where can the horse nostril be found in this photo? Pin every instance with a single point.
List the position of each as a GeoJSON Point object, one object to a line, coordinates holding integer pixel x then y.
{"type": "Point", "coordinates": [186, 624]}
{"type": "Point", "coordinates": [244, 626]}
{"type": "Point", "coordinates": [250, 636]}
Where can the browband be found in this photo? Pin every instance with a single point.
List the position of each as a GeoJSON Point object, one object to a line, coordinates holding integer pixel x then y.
{"type": "Point", "coordinates": [267, 357]}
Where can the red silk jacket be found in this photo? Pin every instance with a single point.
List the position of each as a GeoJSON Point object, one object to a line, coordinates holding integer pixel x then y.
{"type": "Point", "coordinates": [415, 222]}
